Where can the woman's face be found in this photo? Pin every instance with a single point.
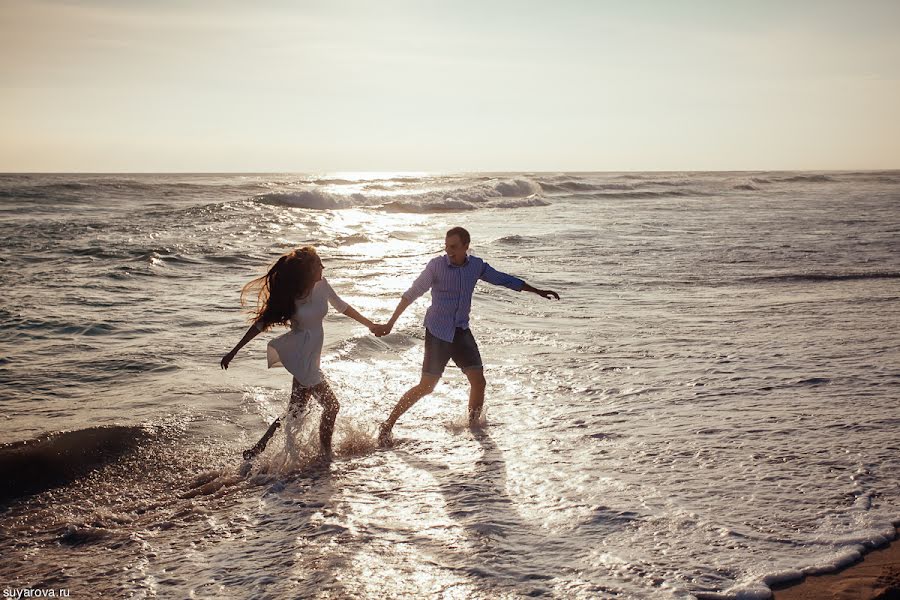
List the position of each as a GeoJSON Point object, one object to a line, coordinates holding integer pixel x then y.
{"type": "Point", "coordinates": [318, 267]}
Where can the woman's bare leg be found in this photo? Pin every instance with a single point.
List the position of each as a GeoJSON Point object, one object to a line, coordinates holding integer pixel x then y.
{"type": "Point", "coordinates": [330, 408]}
{"type": "Point", "coordinates": [261, 444]}
{"type": "Point", "coordinates": [299, 398]}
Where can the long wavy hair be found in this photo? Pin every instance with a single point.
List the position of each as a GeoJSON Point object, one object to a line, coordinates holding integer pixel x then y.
{"type": "Point", "coordinates": [290, 278]}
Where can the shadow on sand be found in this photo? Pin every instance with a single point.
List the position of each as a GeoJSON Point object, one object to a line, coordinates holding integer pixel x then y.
{"type": "Point", "coordinates": [504, 549]}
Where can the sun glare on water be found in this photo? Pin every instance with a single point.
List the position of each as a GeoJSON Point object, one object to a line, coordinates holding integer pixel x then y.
{"type": "Point", "coordinates": [363, 176]}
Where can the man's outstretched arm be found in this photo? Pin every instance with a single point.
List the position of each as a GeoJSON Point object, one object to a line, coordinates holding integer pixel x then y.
{"type": "Point", "coordinates": [548, 294]}
{"type": "Point", "coordinates": [492, 275]}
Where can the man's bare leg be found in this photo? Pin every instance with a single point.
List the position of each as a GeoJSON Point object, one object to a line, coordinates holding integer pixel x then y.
{"type": "Point", "coordinates": [412, 395]}
{"type": "Point", "coordinates": [477, 385]}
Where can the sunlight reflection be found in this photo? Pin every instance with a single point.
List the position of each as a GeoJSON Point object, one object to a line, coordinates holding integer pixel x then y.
{"type": "Point", "coordinates": [376, 175]}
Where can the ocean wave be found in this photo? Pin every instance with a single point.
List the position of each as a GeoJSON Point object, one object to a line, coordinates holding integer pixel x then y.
{"type": "Point", "coordinates": [438, 205]}
{"type": "Point", "coordinates": [821, 277]}
{"type": "Point", "coordinates": [315, 199]}
{"type": "Point", "coordinates": [669, 182]}
{"type": "Point", "coordinates": [517, 188]}
{"type": "Point", "coordinates": [758, 182]}
{"type": "Point", "coordinates": [455, 205]}
{"type": "Point", "coordinates": [124, 272]}
{"type": "Point", "coordinates": [235, 259]}
{"type": "Point", "coordinates": [817, 178]}
{"type": "Point", "coordinates": [164, 256]}
{"type": "Point", "coordinates": [348, 240]}
{"type": "Point", "coordinates": [39, 328]}
{"type": "Point", "coordinates": [561, 184]}
{"type": "Point", "coordinates": [661, 179]}
{"type": "Point", "coordinates": [650, 194]}
{"type": "Point", "coordinates": [890, 177]}
{"type": "Point", "coordinates": [97, 252]}
{"type": "Point", "coordinates": [583, 186]}
{"type": "Point", "coordinates": [60, 194]}
{"type": "Point", "coordinates": [31, 466]}
{"type": "Point", "coordinates": [86, 190]}
{"type": "Point", "coordinates": [76, 536]}
{"type": "Point", "coordinates": [787, 278]}
{"type": "Point", "coordinates": [326, 181]}
{"type": "Point", "coordinates": [152, 256]}
{"type": "Point", "coordinates": [508, 193]}
{"type": "Point", "coordinates": [518, 202]}
{"type": "Point", "coordinates": [478, 193]}
{"type": "Point", "coordinates": [517, 240]}
{"type": "Point", "coordinates": [368, 181]}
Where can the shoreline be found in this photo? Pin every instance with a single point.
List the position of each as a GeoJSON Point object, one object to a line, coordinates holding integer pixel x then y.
{"type": "Point", "coordinates": [875, 577]}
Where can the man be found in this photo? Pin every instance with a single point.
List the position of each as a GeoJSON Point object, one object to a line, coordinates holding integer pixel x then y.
{"type": "Point", "coordinates": [452, 280]}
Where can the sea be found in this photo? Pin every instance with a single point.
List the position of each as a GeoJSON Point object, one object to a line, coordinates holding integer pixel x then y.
{"type": "Point", "coordinates": [709, 410]}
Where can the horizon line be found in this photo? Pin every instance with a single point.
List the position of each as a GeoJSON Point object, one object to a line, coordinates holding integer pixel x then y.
{"type": "Point", "coordinates": [449, 172]}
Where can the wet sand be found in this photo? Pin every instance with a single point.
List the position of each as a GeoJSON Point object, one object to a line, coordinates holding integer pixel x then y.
{"type": "Point", "coordinates": [876, 577]}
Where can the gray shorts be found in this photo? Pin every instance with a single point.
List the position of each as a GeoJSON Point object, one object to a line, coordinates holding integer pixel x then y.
{"type": "Point", "coordinates": [463, 350]}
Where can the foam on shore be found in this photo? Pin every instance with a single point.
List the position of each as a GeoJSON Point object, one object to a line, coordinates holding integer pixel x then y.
{"type": "Point", "coordinates": [876, 576]}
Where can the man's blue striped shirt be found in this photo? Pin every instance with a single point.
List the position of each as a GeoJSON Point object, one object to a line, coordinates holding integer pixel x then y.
{"type": "Point", "coordinates": [451, 291]}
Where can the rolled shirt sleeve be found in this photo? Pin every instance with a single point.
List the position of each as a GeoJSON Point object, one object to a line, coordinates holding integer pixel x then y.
{"type": "Point", "coordinates": [495, 277]}
{"type": "Point", "coordinates": [422, 283]}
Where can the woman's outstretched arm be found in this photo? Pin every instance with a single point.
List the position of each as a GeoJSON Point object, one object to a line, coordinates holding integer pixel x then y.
{"type": "Point", "coordinates": [254, 331]}
{"type": "Point", "coordinates": [353, 314]}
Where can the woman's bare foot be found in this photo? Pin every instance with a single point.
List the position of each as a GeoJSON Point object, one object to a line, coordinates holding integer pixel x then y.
{"type": "Point", "coordinates": [385, 439]}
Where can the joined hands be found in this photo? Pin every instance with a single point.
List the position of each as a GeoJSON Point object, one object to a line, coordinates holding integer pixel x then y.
{"type": "Point", "coordinates": [380, 329]}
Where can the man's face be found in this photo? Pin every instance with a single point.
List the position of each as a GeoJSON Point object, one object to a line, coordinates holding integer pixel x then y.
{"type": "Point", "coordinates": [456, 250]}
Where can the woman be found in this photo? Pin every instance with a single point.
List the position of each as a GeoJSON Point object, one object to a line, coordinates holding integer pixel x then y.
{"type": "Point", "coordinates": [293, 293]}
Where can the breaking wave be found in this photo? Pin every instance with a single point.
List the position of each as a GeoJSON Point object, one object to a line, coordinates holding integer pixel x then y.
{"type": "Point", "coordinates": [511, 193]}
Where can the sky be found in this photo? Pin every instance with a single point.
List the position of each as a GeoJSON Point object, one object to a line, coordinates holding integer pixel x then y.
{"type": "Point", "coordinates": [455, 85]}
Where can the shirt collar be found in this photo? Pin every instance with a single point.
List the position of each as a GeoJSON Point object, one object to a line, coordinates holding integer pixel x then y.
{"type": "Point", "coordinates": [450, 264]}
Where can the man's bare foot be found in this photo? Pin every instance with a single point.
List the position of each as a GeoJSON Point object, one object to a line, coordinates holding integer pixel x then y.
{"type": "Point", "coordinates": [385, 439]}
{"type": "Point", "coordinates": [323, 457]}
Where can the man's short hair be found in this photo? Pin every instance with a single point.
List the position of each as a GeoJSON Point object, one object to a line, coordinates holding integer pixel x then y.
{"type": "Point", "coordinates": [462, 233]}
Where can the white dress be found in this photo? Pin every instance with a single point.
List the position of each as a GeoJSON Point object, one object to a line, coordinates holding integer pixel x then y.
{"type": "Point", "coordinates": [300, 349]}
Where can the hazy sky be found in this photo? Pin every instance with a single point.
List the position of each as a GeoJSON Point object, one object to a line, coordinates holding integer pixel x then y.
{"type": "Point", "coordinates": [456, 85]}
